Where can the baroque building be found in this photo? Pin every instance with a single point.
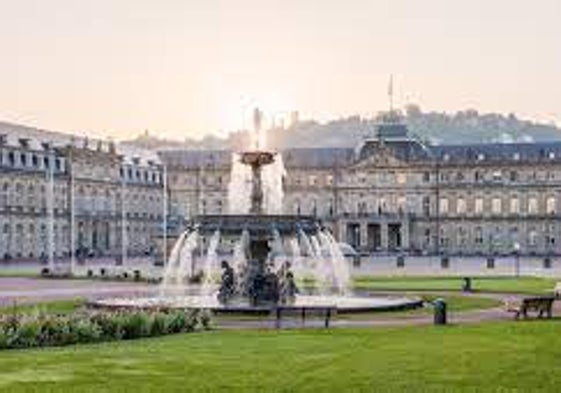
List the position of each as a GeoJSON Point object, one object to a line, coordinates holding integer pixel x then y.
{"type": "Point", "coordinates": [58, 194]}
{"type": "Point", "coordinates": [392, 194]}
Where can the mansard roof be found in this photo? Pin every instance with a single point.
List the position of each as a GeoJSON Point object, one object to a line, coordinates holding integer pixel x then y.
{"type": "Point", "coordinates": [494, 152]}
{"type": "Point", "coordinates": [193, 159]}
{"type": "Point", "coordinates": [29, 138]}
{"type": "Point", "coordinates": [317, 157]}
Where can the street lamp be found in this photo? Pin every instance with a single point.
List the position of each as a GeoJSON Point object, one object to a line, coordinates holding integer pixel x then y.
{"type": "Point", "coordinates": [516, 247]}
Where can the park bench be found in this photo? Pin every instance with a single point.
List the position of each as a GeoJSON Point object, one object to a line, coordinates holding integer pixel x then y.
{"type": "Point", "coordinates": [326, 312]}
{"type": "Point", "coordinates": [557, 290]}
{"type": "Point", "coordinates": [540, 304]}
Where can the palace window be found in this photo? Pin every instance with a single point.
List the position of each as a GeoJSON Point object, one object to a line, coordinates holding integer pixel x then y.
{"type": "Point", "coordinates": [426, 205]}
{"type": "Point", "coordinates": [426, 177]}
{"type": "Point", "coordinates": [443, 205]}
{"type": "Point", "coordinates": [513, 176]}
{"type": "Point", "coordinates": [478, 205]}
{"type": "Point", "coordinates": [496, 206]}
{"type": "Point", "coordinates": [533, 205]}
{"type": "Point", "coordinates": [533, 237]}
{"type": "Point", "coordinates": [551, 207]}
{"type": "Point", "coordinates": [461, 206]}
{"type": "Point", "coordinates": [497, 176]}
{"type": "Point", "coordinates": [514, 205]}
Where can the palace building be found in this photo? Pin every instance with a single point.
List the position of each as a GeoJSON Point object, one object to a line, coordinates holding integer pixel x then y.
{"type": "Point", "coordinates": [52, 185]}
{"type": "Point", "coordinates": [390, 194]}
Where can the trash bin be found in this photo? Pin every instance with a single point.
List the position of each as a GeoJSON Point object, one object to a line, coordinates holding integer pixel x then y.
{"type": "Point", "coordinates": [466, 286]}
{"type": "Point", "coordinates": [439, 311]}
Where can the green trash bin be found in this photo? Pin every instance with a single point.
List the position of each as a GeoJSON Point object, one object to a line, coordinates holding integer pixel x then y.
{"type": "Point", "coordinates": [439, 311]}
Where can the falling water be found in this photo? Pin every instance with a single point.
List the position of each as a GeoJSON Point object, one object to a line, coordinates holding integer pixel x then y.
{"type": "Point", "coordinates": [186, 268]}
{"type": "Point", "coordinates": [296, 253]}
{"type": "Point", "coordinates": [272, 178]}
{"type": "Point", "coordinates": [240, 251]}
{"type": "Point", "coordinates": [277, 249]}
{"type": "Point", "coordinates": [314, 262]}
{"type": "Point", "coordinates": [239, 188]}
{"type": "Point", "coordinates": [169, 277]}
{"type": "Point", "coordinates": [211, 263]}
{"type": "Point", "coordinates": [340, 270]}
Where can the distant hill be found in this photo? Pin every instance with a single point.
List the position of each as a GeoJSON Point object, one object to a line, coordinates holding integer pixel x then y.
{"type": "Point", "coordinates": [464, 127]}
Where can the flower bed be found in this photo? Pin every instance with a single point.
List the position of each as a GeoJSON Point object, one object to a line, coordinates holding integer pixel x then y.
{"type": "Point", "coordinates": [42, 330]}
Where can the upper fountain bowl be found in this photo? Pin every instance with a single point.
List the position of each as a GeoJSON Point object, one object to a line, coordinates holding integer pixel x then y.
{"type": "Point", "coordinates": [257, 158]}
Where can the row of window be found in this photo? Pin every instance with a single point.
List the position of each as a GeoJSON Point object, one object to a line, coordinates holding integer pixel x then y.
{"type": "Point", "coordinates": [21, 160]}
{"type": "Point", "coordinates": [499, 238]}
{"type": "Point", "coordinates": [139, 175]}
{"type": "Point", "coordinates": [496, 205]}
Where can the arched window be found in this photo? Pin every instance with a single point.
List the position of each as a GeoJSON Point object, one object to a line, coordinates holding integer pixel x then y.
{"type": "Point", "coordinates": [551, 207]}
{"type": "Point", "coordinates": [5, 194]}
{"type": "Point", "coordinates": [31, 196]}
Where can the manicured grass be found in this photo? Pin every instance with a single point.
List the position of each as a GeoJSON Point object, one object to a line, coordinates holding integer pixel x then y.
{"type": "Point", "coordinates": [19, 273]}
{"type": "Point", "coordinates": [460, 303]}
{"type": "Point", "coordinates": [54, 307]}
{"type": "Point", "coordinates": [530, 285]}
{"type": "Point", "coordinates": [502, 357]}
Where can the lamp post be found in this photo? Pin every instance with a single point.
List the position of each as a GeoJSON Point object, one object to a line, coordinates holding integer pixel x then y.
{"type": "Point", "coordinates": [516, 247]}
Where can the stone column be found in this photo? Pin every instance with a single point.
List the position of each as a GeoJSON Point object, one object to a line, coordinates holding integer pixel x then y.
{"type": "Point", "coordinates": [384, 235]}
{"type": "Point", "coordinates": [363, 235]}
{"type": "Point", "coordinates": [405, 235]}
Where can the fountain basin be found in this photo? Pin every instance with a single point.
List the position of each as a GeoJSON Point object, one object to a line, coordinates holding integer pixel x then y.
{"type": "Point", "coordinates": [343, 304]}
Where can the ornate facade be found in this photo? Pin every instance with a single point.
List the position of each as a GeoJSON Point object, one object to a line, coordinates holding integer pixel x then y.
{"type": "Point", "coordinates": [394, 195]}
{"type": "Point", "coordinates": [52, 186]}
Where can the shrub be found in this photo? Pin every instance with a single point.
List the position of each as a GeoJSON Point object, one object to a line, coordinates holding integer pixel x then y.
{"type": "Point", "coordinates": [111, 325]}
{"type": "Point", "coordinates": [160, 324]}
{"type": "Point", "coordinates": [26, 335]}
{"type": "Point", "coordinates": [56, 331]}
{"type": "Point", "coordinates": [85, 330]}
{"type": "Point", "coordinates": [177, 321]}
{"type": "Point", "coordinates": [137, 324]}
{"type": "Point", "coordinates": [3, 338]}
{"type": "Point", "coordinates": [40, 329]}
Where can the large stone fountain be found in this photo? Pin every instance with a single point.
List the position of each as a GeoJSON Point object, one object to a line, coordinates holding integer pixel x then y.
{"type": "Point", "coordinates": [270, 252]}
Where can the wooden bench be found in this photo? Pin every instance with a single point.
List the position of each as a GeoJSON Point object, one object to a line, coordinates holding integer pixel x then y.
{"type": "Point", "coordinates": [540, 304]}
{"type": "Point", "coordinates": [557, 290]}
{"type": "Point", "coordinates": [303, 312]}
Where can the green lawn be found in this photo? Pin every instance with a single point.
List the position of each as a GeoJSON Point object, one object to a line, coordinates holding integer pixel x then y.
{"type": "Point", "coordinates": [52, 307]}
{"type": "Point", "coordinates": [530, 285]}
{"type": "Point", "coordinates": [505, 357]}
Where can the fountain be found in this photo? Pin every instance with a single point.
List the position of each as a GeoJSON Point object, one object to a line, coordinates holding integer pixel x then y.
{"type": "Point", "coordinates": [270, 252]}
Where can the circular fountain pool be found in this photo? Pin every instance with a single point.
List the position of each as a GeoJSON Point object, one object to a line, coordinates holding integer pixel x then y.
{"type": "Point", "coordinates": [343, 304]}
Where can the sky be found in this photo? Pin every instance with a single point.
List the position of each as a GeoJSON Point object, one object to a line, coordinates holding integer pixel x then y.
{"type": "Point", "coordinates": [183, 68]}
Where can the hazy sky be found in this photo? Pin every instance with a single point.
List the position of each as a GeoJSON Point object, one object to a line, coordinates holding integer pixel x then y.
{"type": "Point", "coordinates": [184, 68]}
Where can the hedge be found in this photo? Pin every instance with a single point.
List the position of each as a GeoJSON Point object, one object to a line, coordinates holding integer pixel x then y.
{"type": "Point", "coordinates": [42, 329]}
